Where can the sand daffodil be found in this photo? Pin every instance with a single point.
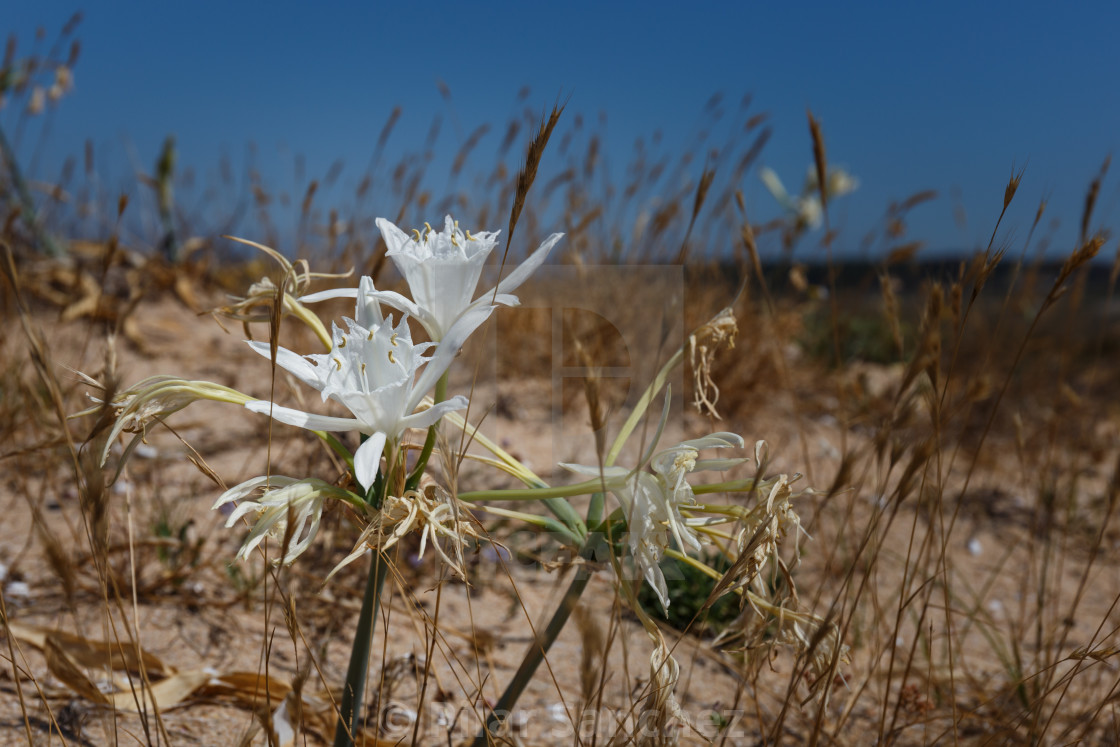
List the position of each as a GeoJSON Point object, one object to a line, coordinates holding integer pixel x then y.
{"type": "Point", "coordinates": [285, 500]}
{"type": "Point", "coordinates": [806, 209]}
{"type": "Point", "coordinates": [652, 501]}
{"type": "Point", "coordinates": [442, 269]}
{"type": "Point", "coordinates": [373, 373]}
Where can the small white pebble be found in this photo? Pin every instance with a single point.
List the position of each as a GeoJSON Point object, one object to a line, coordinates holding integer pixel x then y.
{"type": "Point", "coordinates": [17, 590]}
{"type": "Point", "coordinates": [974, 547]}
{"type": "Point", "coordinates": [146, 451]}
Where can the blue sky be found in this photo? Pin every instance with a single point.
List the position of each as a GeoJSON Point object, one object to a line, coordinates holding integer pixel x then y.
{"type": "Point", "coordinates": [945, 96]}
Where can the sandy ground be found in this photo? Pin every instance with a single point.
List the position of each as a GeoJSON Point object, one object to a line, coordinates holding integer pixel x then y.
{"type": "Point", "coordinates": [195, 615]}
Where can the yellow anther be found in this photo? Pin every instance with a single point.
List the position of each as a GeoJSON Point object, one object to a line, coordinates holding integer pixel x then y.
{"type": "Point", "coordinates": [453, 241]}
{"type": "Point", "coordinates": [363, 369]}
{"type": "Point", "coordinates": [342, 343]}
{"type": "Point", "coordinates": [370, 335]}
{"type": "Point", "coordinates": [428, 226]}
{"type": "Point", "coordinates": [393, 340]}
{"type": "Point", "coordinates": [470, 238]}
{"type": "Point", "coordinates": [416, 238]}
{"type": "Point", "coordinates": [391, 358]}
{"type": "Point", "coordinates": [338, 362]}
{"type": "Point", "coordinates": [456, 225]}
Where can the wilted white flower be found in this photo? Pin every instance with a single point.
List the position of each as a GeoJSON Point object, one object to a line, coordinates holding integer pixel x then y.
{"type": "Point", "coordinates": [372, 371]}
{"type": "Point", "coordinates": [661, 707]}
{"type": "Point", "coordinates": [653, 501]}
{"type": "Point", "coordinates": [258, 304]}
{"type": "Point", "coordinates": [432, 512]}
{"type": "Point", "coordinates": [153, 399]}
{"type": "Point", "coordinates": [286, 501]}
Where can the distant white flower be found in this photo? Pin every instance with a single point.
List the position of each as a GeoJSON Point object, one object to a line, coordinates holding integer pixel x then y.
{"type": "Point", "coordinates": [442, 269]}
{"type": "Point", "coordinates": [285, 499]}
{"type": "Point", "coordinates": [373, 373]}
{"type": "Point", "coordinates": [652, 501]}
{"type": "Point", "coordinates": [807, 209]}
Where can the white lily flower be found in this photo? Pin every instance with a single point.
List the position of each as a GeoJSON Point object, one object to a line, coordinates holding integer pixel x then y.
{"type": "Point", "coordinates": [284, 499]}
{"type": "Point", "coordinates": [807, 209]}
{"type": "Point", "coordinates": [373, 373]}
{"type": "Point", "coordinates": [442, 269]}
{"type": "Point", "coordinates": [652, 501]}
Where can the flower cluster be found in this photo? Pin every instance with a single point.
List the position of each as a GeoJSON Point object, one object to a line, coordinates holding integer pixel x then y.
{"type": "Point", "coordinates": [652, 501]}
{"type": "Point", "coordinates": [387, 384]}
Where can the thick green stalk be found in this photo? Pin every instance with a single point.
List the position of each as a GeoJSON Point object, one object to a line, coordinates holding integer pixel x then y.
{"type": "Point", "coordinates": [587, 487]}
{"type": "Point", "coordinates": [353, 693]}
{"type": "Point", "coordinates": [592, 548]}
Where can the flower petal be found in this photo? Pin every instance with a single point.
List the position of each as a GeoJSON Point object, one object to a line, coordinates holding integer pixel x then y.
{"type": "Point", "coordinates": [328, 294]}
{"type": "Point", "coordinates": [446, 351]}
{"type": "Point", "coordinates": [720, 440]}
{"type": "Point", "coordinates": [293, 363]}
{"type": "Point", "coordinates": [399, 302]}
{"type": "Point", "coordinates": [367, 460]}
{"type": "Point", "coordinates": [425, 418]}
{"type": "Point", "coordinates": [367, 312]}
{"type": "Point", "coordinates": [530, 265]}
{"type": "Point", "coordinates": [609, 473]}
{"type": "Point", "coordinates": [301, 419]}
{"type": "Point", "coordinates": [394, 237]}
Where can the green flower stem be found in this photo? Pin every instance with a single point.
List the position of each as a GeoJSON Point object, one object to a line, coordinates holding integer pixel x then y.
{"type": "Point", "coordinates": [544, 522]}
{"type": "Point", "coordinates": [349, 712]}
{"type": "Point", "coordinates": [593, 547]}
{"type": "Point", "coordinates": [534, 494]}
{"type": "Point", "coordinates": [642, 405]}
{"type": "Point", "coordinates": [438, 396]}
{"type": "Point", "coordinates": [595, 508]}
{"type": "Point", "coordinates": [731, 486]}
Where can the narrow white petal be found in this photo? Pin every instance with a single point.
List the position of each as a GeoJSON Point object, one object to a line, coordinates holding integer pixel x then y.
{"type": "Point", "coordinates": [367, 459]}
{"type": "Point", "coordinates": [394, 237]}
{"type": "Point", "coordinates": [397, 301]}
{"type": "Point", "coordinates": [328, 294]}
{"type": "Point", "coordinates": [716, 464]}
{"type": "Point", "coordinates": [245, 489]}
{"type": "Point", "coordinates": [291, 362]}
{"type": "Point", "coordinates": [775, 186]}
{"type": "Point", "coordinates": [425, 418]}
{"type": "Point", "coordinates": [446, 351]}
{"type": "Point", "coordinates": [368, 311]}
{"type": "Point", "coordinates": [721, 440]}
{"type": "Point", "coordinates": [301, 419]}
{"type": "Point", "coordinates": [530, 265]}
{"type": "Point", "coordinates": [609, 473]}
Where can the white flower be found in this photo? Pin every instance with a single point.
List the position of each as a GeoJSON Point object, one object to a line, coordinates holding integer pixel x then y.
{"type": "Point", "coordinates": [652, 501]}
{"type": "Point", "coordinates": [807, 209]}
{"type": "Point", "coordinates": [373, 373]}
{"type": "Point", "coordinates": [285, 499]}
{"type": "Point", "coordinates": [152, 400]}
{"type": "Point", "coordinates": [442, 269]}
